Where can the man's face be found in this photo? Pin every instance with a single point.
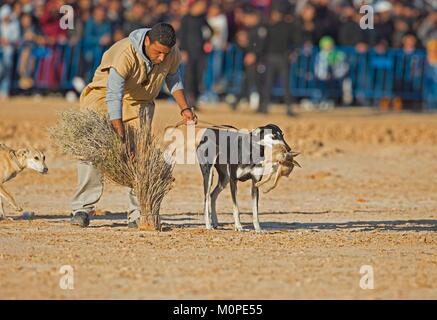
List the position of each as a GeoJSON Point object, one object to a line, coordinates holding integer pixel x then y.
{"type": "Point", "coordinates": [156, 51]}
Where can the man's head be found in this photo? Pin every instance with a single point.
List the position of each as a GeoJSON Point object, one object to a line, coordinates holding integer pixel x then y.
{"type": "Point", "coordinates": [159, 41]}
{"type": "Point", "coordinates": [99, 14]}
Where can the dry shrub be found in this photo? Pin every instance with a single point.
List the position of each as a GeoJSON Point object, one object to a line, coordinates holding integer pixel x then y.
{"type": "Point", "coordinates": [88, 136]}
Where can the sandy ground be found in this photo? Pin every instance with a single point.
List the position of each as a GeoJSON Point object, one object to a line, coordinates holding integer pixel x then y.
{"type": "Point", "coordinates": [367, 195]}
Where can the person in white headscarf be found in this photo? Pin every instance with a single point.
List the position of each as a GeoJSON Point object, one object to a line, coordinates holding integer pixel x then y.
{"type": "Point", "coordinates": [9, 36]}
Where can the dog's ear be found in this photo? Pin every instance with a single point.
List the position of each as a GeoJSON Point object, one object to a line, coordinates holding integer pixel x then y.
{"type": "Point", "coordinates": [22, 152]}
{"type": "Point", "coordinates": [273, 127]}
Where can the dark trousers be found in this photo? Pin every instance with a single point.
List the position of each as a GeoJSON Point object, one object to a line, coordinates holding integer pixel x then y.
{"type": "Point", "coordinates": [276, 65]}
{"type": "Point", "coordinates": [193, 77]}
{"type": "Point", "coordinates": [249, 82]}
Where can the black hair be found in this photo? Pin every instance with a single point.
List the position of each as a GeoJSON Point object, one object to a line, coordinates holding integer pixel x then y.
{"type": "Point", "coordinates": [163, 33]}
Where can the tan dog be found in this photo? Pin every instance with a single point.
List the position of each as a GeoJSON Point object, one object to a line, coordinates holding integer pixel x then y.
{"type": "Point", "coordinates": [282, 164]}
{"type": "Point", "coordinates": [13, 162]}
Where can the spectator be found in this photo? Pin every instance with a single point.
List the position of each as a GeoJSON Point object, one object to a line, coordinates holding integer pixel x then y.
{"type": "Point", "coordinates": [97, 35]}
{"type": "Point", "coordinates": [384, 27]}
{"type": "Point", "coordinates": [162, 12]}
{"type": "Point", "coordinates": [304, 28]}
{"type": "Point", "coordinates": [251, 40]}
{"type": "Point", "coordinates": [428, 29]}
{"type": "Point", "coordinates": [136, 18]}
{"type": "Point", "coordinates": [50, 23]}
{"type": "Point", "coordinates": [330, 70]}
{"type": "Point", "coordinates": [115, 16]}
{"type": "Point", "coordinates": [412, 69]}
{"type": "Point", "coordinates": [97, 29]}
{"type": "Point", "coordinates": [278, 44]}
{"type": "Point", "coordinates": [326, 20]}
{"type": "Point", "coordinates": [195, 34]}
{"type": "Point", "coordinates": [82, 13]}
{"type": "Point", "coordinates": [30, 37]}
{"type": "Point", "coordinates": [350, 33]}
{"type": "Point", "coordinates": [219, 25]}
{"type": "Point", "coordinates": [381, 63]}
{"type": "Point", "coordinates": [9, 36]}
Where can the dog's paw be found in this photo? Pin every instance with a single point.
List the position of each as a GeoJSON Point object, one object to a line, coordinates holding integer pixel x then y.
{"type": "Point", "coordinates": [240, 229]}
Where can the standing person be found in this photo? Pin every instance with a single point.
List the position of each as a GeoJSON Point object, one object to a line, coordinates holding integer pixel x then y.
{"type": "Point", "coordinates": [97, 35]}
{"type": "Point", "coordinates": [277, 51]}
{"type": "Point", "coordinates": [9, 36]}
{"type": "Point", "coordinates": [194, 36]}
{"type": "Point", "coordinates": [219, 41]}
{"type": "Point", "coordinates": [251, 41]}
{"type": "Point", "coordinates": [125, 86]}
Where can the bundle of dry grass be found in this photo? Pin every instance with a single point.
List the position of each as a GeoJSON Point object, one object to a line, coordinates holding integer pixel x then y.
{"type": "Point", "coordinates": [87, 135]}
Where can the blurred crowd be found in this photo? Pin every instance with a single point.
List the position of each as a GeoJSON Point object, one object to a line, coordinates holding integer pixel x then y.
{"type": "Point", "coordinates": [266, 30]}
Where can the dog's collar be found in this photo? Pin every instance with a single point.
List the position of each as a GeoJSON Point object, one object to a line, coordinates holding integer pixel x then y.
{"type": "Point", "coordinates": [15, 160]}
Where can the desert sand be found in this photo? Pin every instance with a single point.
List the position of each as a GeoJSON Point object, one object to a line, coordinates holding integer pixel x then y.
{"type": "Point", "coordinates": [366, 196]}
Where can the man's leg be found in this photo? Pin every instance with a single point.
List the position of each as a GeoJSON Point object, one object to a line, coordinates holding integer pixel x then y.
{"type": "Point", "coordinates": [189, 80]}
{"type": "Point", "coordinates": [88, 193]}
{"type": "Point", "coordinates": [146, 113]}
{"type": "Point", "coordinates": [267, 90]}
{"type": "Point", "coordinates": [285, 79]}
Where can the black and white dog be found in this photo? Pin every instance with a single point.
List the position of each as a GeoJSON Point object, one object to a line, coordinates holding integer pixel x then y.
{"type": "Point", "coordinates": [237, 156]}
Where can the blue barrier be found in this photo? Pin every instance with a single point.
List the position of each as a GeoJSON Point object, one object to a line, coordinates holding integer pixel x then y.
{"type": "Point", "coordinates": [374, 75]}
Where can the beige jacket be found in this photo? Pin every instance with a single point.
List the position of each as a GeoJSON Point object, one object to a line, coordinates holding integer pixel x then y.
{"type": "Point", "coordinates": [140, 87]}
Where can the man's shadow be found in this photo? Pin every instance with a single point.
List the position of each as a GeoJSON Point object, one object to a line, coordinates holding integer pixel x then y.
{"type": "Point", "coordinates": [196, 220]}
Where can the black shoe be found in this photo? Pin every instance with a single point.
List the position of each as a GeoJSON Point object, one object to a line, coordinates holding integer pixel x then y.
{"type": "Point", "coordinates": [133, 224]}
{"type": "Point", "coordinates": [81, 219]}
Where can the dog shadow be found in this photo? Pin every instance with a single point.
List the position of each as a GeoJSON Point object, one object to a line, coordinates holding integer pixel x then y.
{"type": "Point", "coordinates": [383, 225]}
{"type": "Point", "coordinates": [358, 226]}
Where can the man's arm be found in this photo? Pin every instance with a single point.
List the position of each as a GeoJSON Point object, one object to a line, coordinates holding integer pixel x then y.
{"type": "Point", "coordinates": [114, 101]}
{"type": "Point", "coordinates": [174, 84]}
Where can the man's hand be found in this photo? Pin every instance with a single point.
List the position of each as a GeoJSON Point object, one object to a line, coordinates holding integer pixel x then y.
{"type": "Point", "coordinates": [249, 59]}
{"type": "Point", "coordinates": [131, 151]}
{"type": "Point", "coordinates": [189, 116]}
{"type": "Point", "coordinates": [118, 126]}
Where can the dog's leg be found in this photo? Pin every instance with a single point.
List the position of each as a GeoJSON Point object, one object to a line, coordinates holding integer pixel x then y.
{"type": "Point", "coordinates": [9, 198]}
{"type": "Point", "coordinates": [208, 173]}
{"type": "Point", "coordinates": [2, 210]}
{"type": "Point", "coordinates": [275, 182]}
{"type": "Point", "coordinates": [235, 209]}
{"type": "Point", "coordinates": [255, 199]}
{"type": "Point", "coordinates": [223, 180]}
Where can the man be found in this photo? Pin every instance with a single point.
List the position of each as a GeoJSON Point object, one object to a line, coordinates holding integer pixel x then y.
{"type": "Point", "coordinates": [251, 40]}
{"type": "Point", "coordinates": [125, 85]}
{"type": "Point", "coordinates": [194, 34]}
{"type": "Point", "coordinates": [9, 36]}
{"type": "Point", "coordinates": [277, 48]}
